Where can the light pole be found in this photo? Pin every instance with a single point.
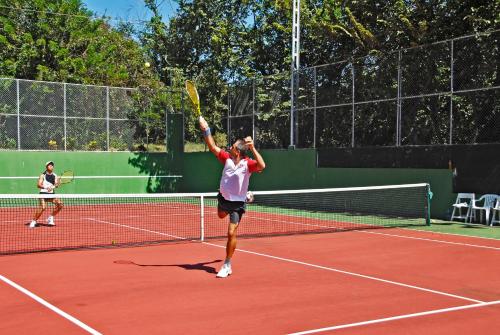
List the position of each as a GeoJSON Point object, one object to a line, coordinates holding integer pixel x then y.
{"type": "Point", "coordinates": [295, 66]}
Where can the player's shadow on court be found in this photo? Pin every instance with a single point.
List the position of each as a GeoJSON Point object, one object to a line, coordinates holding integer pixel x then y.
{"type": "Point", "coordinates": [197, 266]}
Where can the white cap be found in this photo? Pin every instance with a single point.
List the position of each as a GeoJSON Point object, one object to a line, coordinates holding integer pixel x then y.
{"type": "Point", "coordinates": [48, 163]}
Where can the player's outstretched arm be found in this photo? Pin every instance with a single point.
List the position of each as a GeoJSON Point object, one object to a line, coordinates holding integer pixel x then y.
{"type": "Point", "coordinates": [209, 140]}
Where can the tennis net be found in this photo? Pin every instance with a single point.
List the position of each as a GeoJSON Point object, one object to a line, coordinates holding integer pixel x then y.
{"type": "Point", "coordinates": [113, 220]}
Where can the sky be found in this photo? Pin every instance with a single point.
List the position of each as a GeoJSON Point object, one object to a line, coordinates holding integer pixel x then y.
{"type": "Point", "coordinates": [132, 10]}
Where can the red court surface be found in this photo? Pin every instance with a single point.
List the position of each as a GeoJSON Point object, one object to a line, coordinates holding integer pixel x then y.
{"type": "Point", "coordinates": [388, 281]}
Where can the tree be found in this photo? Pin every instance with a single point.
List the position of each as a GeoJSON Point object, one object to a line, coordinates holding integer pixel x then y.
{"type": "Point", "coordinates": [60, 41]}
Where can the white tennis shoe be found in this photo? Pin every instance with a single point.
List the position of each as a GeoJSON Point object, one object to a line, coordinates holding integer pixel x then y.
{"type": "Point", "coordinates": [224, 271]}
{"type": "Point", "coordinates": [32, 224]}
{"type": "Point", "coordinates": [50, 221]}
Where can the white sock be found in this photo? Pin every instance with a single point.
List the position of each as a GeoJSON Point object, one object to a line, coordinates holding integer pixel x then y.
{"type": "Point", "coordinates": [227, 262]}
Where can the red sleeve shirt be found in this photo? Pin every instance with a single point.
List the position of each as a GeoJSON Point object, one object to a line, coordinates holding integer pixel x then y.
{"type": "Point", "coordinates": [235, 177]}
{"type": "Point", "coordinates": [252, 165]}
{"type": "Point", "coordinates": [222, 156]}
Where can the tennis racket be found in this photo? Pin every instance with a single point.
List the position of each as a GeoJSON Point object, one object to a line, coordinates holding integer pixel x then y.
{"type": "Point", "coordinates": [193, 95]}
{"type": "Point", "coordinates": [66, 177]}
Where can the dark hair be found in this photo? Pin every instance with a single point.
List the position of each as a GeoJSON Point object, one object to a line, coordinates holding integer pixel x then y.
{"type": "Point", "coordinates": [242, 147]}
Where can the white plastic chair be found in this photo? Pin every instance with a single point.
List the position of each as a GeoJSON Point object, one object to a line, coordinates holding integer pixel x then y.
{"type": "Point", "coordinates": [464, 200]}
{"type": "Point", "coordinates": [488, 203]}
{"type": "Point", "coordinates": [495, 210]}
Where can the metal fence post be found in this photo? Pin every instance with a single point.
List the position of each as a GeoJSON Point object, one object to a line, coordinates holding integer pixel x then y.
{"type": "Point", "coordinates": [166, 121]}
{"type": "Point", "coordinates": [65, 120]}
{"type": "Point", "coordinates": [228, 115]}
{"type": "Point", "coordinates": [253, 109]}
{"type": "Point", "coordinates": [107, 118]}
{"type": "Point", "coordinates": [398, 106]}
{"type": "Point", "coordinates": [353, 106]}
{"type": "Point", "coordinates": [18, 116]}
{"type": "Point", "coordinates": [183, 121]}
{"type": "Point", "coordinates": [451, 92]}
{"type": "Point", "coordinates": [314, 108]}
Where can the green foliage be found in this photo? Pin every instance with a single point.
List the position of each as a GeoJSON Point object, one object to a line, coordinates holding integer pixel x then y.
{"type": "Point", "coordinates": [73, 47]}
{"type": "Point", "coordinates": [215, 43]}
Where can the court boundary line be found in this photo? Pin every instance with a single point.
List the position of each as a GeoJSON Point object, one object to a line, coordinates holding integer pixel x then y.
{"type": "Point", "coordinates": [431, 240]}
{"type": "Point", "coordinates": [304, 263]}
{"type": "Point", "coordinates": [354, 274]}
{"type": "Point", "coordinates": [452, 234]}
{"type": "Point", "coordinates": [398, 317]}
{"type": "Point", "coordinates": [47, 304]}
{"type": "Point", "coordinates": [372, 232]}
{"type": "Point", "coordinates": [137, 228]}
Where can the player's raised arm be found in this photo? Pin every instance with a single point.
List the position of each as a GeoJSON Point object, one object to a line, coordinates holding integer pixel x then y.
{"type": "Point", "coordinates": [207, 135]}
{"type": "Point", "coordinates": [261, 165]}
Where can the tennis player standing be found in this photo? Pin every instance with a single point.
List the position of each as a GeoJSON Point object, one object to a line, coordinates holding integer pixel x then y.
{"type": "Point", "coordinates": [233, 187]}
{"type": "Point", "coordinates": [47, 182]}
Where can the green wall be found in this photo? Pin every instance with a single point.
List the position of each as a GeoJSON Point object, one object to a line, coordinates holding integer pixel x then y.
{"type": "Point", "coordinates": [286, 169]}
{"type": "Point", "coordinates": [296, 169]}
{"type": "Point", "coordinates": [24, 163]}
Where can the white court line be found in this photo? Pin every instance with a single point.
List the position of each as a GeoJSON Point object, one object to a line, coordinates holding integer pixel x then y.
{"type": "Point", "coordinates": [452, 234]}
{"type": "Point", "coordinates": [375, 233]}
{"type": "Point", "coordinates": [308, 264]}
{"type": "Point", "coordinates": [399, 317]}
{"type": "Point", "coordinates": [430, 239]}
{"type": "Point", "coordinates": [50, 306]}
{"type": "Point", "coordinates": [136, 228]}
{"type": "Point", "coordinates": [351, 274]}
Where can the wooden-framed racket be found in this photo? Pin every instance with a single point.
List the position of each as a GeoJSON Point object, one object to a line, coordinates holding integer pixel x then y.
{"type": "Point", "coordinates": [66, 177]}
{"type": "Point", "coordinates": [193, 95]}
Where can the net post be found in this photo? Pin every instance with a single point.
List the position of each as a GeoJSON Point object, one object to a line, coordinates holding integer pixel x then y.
{"type": "Point", "coordinates": [202, 218]}
{"type": "Point", "coordinates": [428, 196]}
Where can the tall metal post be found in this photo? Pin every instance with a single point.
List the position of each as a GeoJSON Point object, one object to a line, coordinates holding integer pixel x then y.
{"type": "Point", "coordinates": [314, 110]}
{"type": "Point", "coordinates": [295, 65]}
{"type": "Point", "coordinates": [107, 118]}
{"type": "Point", "coordinates": [228, 115]}
{"type": "Point", "coordinates": [398, 106]}
{"type": "Point", "coordinates": [18, 116]}
{"type": "Point", "coordinates": [451, 94]}
{"type": "Point", "coordinates": [65, 118]}
{"type": "Point", "coordinates": [353, 104]}
{"type": "Point", "coordinates": [253, 109]}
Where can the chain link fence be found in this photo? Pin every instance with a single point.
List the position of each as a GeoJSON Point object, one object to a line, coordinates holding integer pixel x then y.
{"type": "Point", "coordinates": [444, 93]}
{"type": "Point", "coordinates": [36, 115]}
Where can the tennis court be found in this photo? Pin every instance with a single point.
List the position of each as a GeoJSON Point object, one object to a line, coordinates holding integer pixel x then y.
{"type": "Point", "coordinates": [300, 267]}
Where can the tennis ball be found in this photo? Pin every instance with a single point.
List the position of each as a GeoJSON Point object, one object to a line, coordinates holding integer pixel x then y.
{"type": "Point", "coordinates": [147, 64]}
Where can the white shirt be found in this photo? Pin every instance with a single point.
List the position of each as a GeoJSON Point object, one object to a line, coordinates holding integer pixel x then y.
{"type": "Point", "coordinates": [49, 180]}
{"type": "Point", "coordinates": [235, 177]}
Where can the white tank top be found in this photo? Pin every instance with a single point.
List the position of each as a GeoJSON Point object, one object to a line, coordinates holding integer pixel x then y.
{"type": "Point", "coordinates": [49, 180]}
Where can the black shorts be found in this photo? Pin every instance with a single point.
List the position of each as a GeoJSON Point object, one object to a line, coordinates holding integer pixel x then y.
{"type": "Point", "coordinates": [235, 209]}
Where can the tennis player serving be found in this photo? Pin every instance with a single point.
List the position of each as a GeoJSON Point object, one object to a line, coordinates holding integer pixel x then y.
{"type": "Point", "coordinates": [233, 187]}
{"type": "Point", "coordinates": [47, 182]}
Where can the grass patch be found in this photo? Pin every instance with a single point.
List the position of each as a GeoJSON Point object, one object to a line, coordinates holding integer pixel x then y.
{"type": "Point", "coordinates": [460, 228]}
{"type": "Point", "coordinates": [195, 147]}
